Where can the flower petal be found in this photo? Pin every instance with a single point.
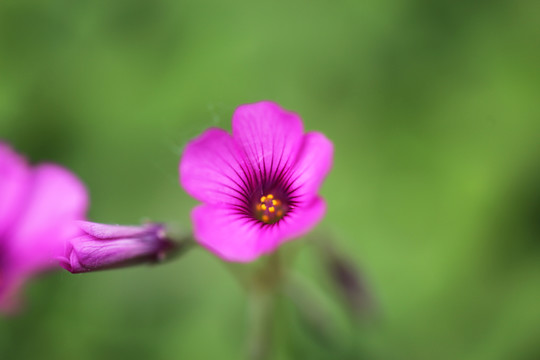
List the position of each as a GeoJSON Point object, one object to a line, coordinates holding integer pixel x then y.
{"type": "Point", "coordinates": [106, 231]}
{"type": "Point", "coordinates": [313, 163]}
{"type": "Point", "coordinates": [57, 198]}
{"type": "Point", "coordinates": [234, 237]}
{"type": "Point", "coordinates": [37, 209]}
{"type": "Point", "coordinates": [269, 136]}
{"type": "Point", "coordinates": [14, 183]}
{"type": "Point", "coordinates": [213, 169]}
{"type": "Point", "coordinates": [302, 219]}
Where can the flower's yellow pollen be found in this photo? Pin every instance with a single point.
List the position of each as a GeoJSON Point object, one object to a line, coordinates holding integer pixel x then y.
{"type": "Point", "coordinates": [270, 210]}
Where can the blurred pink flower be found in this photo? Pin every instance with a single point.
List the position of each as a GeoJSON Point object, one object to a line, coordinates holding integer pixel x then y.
{"type": "Point", "coordinates": [259, 186]}
{"type": "Point", "coordinates": [109, 246]}
{"type": "Point", "coordinates": [37, 209]}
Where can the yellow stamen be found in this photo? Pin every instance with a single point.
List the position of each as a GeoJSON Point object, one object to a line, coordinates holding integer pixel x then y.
{"type": "Point", "coordinates": [270, 210]}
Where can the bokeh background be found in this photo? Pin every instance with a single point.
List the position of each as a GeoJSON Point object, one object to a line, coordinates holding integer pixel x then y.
{"type": "Point", "coordinates": [433, 107]}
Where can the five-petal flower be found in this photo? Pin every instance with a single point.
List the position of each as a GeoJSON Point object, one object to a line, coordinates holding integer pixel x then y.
{"type": "Point", "coordinates": [259, 186]}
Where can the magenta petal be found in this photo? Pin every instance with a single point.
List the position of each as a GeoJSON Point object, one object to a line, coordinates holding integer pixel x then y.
{"type": "Point", "coordinates": [56, 200]}
{"type": "Point", "coordinates": [312, 165]}
{"type": "Point", "coordinates": [213, 168]}
{"type": "Point", "coordinates": [269, 135]}
{"type": "Point", "coordinates": [37, 209]}
{"type": "Point", "coordinates": [302, 220]}
{"type": "Point", "coordinates": [235, 238]}
{"type": "Point", "coordinates": [227, 234]}
{"type": "Point", "coordinates": [14, 183]}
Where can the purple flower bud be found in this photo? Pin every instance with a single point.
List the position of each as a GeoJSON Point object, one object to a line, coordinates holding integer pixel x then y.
{"type": "Point", "coordinates": [349, 281]}
{"type": "Point", "coordinates": [110, 246]}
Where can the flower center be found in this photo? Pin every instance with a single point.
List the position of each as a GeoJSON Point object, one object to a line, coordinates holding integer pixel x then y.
{"type": "Point", "coordinates": [270, 210]}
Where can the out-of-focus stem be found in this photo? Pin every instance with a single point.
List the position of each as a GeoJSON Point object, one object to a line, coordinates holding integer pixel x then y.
{"type": "Point", "coordinates": [261, 308]}
{"type": "Point", "coordinates": [262, 291]}
{"type": "Point", "coordinates": [309, 304]}
{"type": "Point", "coordinates": [178, 248]}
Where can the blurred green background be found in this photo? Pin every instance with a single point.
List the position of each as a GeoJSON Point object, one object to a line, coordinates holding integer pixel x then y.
{"type": "Point", "coordinates": [433, 107]}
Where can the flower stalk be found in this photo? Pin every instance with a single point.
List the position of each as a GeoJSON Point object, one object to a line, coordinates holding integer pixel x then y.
{"type": "Point", "coordinates": [264, 286]}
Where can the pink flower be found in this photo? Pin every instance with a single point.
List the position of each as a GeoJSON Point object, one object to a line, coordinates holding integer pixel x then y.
{"type": "Point", "coordinates": [259, 186]}
{"type": "Point", "coordinates": [37, 208]}
{"type": "Point", "coordinates": [109, 246]}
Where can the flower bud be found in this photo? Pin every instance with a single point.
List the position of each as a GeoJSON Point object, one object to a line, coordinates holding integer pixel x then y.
{"type": "Point", "coordinates": [349, 281]}
{"type": "Point", "coordinates": [110, 246]}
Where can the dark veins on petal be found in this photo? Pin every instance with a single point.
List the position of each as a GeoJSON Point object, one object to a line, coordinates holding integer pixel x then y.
{"type": "Point", "coordinates": [266, 195]}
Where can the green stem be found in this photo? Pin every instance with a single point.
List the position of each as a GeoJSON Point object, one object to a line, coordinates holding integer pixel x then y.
{"type": "Point", "coordinates": [263, 288]}
{"type": "Point", "coordinates": [261, 309]}
{"type": "Point", "coordinates": [311, 305]}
